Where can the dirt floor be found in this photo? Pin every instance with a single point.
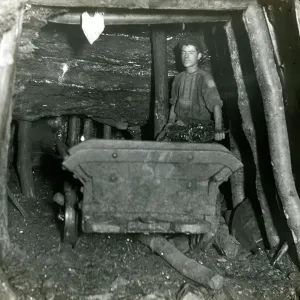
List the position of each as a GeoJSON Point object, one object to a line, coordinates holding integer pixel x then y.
{"type": "Point", "coordinates": [108, 267]}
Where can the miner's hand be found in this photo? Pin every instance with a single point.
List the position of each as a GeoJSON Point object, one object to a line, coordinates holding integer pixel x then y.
{"type": "Point", "coordinates": [180, 123]}
{"type": "Point", "coordinates": [219, 135]}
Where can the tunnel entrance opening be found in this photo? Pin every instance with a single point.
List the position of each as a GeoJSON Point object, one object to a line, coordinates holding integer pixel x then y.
{"type": "Point", "coordinates": [101, 65]}
{"type": "Point", "coordinates": [64, 77]}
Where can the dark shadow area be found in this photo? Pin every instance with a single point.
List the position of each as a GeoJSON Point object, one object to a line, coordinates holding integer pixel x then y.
{"type": "Point", "coordinates": [51, 169]}
{"type": "Point", "coordinates": [177, 57]}
{"type": "Point", "coordinates": [75, 37]}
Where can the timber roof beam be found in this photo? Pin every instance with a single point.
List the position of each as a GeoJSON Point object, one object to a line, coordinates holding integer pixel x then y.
{"type": "Point", "coordinates": [209, 5]}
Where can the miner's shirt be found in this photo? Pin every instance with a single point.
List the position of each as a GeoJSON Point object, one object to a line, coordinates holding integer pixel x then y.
{"type": "Point", "coordinates": [194, 95]}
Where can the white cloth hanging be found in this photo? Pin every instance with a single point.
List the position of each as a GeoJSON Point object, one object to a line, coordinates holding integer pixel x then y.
{"type": "Point", "coordinates": [92, 26]}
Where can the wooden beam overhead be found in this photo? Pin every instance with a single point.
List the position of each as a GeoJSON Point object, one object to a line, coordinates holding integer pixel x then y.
{"type": "Point", "coordinates": [142, 18]}
{"type": "Point", "coordinates": [209, 5]}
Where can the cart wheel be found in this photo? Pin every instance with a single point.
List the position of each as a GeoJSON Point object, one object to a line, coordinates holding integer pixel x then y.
{"type": "Point", "coordinates": [70, 228]}
{"type": "Point", "coordinates": [71, 215]}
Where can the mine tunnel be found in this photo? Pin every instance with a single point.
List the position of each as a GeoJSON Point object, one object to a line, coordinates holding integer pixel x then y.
{"type": "Point", "coordinates": [96, 205]}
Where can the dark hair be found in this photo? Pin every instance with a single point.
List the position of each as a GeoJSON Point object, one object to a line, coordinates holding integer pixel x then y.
{"type": "Point", "coordinates": [190, 41]}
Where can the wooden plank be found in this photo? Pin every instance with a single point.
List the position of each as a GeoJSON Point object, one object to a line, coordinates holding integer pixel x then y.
{"type": "Point", "coordinates": [216, 5]}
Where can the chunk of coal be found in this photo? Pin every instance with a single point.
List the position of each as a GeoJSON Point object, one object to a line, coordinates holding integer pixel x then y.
{"type": "Point", "coordinates": [195, 133]}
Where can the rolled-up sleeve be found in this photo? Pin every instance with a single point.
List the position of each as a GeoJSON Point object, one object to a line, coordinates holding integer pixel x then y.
{"type": "Point", "coordinates": [210, 92]}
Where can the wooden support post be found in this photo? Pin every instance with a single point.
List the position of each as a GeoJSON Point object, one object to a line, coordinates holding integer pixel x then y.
{"type": "Point", "coordinates": [271, 90]}
{"type": "Point", "coordinates": [12, 148]}
{"type": "Point", "coordinates": [73, 131]}
{"type": "Point", "coordinates": [237, 179]}
{"type": "Point", "coordinates": [71, 188]}
{"type": "Point", "coordinates": [249, 130]}
{"type": "Point", "coordinates": [159, 50]}
{"type": "Point", "coordinates": [106, 132]}
{"type": "Point", "coordinates": [8, 48]}
{"type": "Point", "coordinates": [24, 163]}
{"type": "Point", "coordinates": [88, 129]}
{"type": "Point", "coordinates": [236, 134]}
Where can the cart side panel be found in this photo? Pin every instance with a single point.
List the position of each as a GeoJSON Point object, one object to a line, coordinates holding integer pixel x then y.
{"type": "Point", "coordinates": [162, 189]}
{"type": "Point", "coordinates": [147, 193]}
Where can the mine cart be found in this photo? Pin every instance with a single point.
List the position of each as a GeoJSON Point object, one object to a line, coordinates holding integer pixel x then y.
{"type": "Point", "coordinates": [146, 187]}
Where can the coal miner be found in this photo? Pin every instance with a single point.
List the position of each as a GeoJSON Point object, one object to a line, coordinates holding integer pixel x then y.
{"type": "Point", "coordinates": [195, 98]}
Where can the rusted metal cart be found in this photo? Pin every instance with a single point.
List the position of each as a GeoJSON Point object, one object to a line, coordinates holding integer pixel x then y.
{"type": "Point", "coordinates": [146, 187]}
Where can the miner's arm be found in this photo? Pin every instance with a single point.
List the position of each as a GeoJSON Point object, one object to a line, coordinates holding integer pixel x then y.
{"type": "Point", "coordinates": [219, 132]}
{"type": "Point", "coordinates": [171, 120]}
{"type": "Point", "coordinates": [173, 100]}
{"type": "Point", "coordinates": [172, 116]}
{"type": "Point", "coordinates": [214, 104]}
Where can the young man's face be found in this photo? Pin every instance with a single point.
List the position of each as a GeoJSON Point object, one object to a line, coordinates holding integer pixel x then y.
{"type": "Point", "coordinates": [190, 56]}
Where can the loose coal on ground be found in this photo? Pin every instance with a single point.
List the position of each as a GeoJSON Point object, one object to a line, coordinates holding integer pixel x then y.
{"type": "Point", "coordinates": [108, 267]}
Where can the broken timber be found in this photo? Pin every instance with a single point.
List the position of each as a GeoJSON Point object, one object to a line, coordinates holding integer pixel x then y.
{"type": "Point", "coordinates": [184, 265]}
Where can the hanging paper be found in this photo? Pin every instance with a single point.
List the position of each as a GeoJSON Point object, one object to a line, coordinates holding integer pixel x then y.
{"type": "Point", "coordinates": [92, 26]}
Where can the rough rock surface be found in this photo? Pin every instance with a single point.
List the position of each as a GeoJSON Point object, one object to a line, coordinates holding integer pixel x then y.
{"type": "Point", "coordinates": [60, 73]}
